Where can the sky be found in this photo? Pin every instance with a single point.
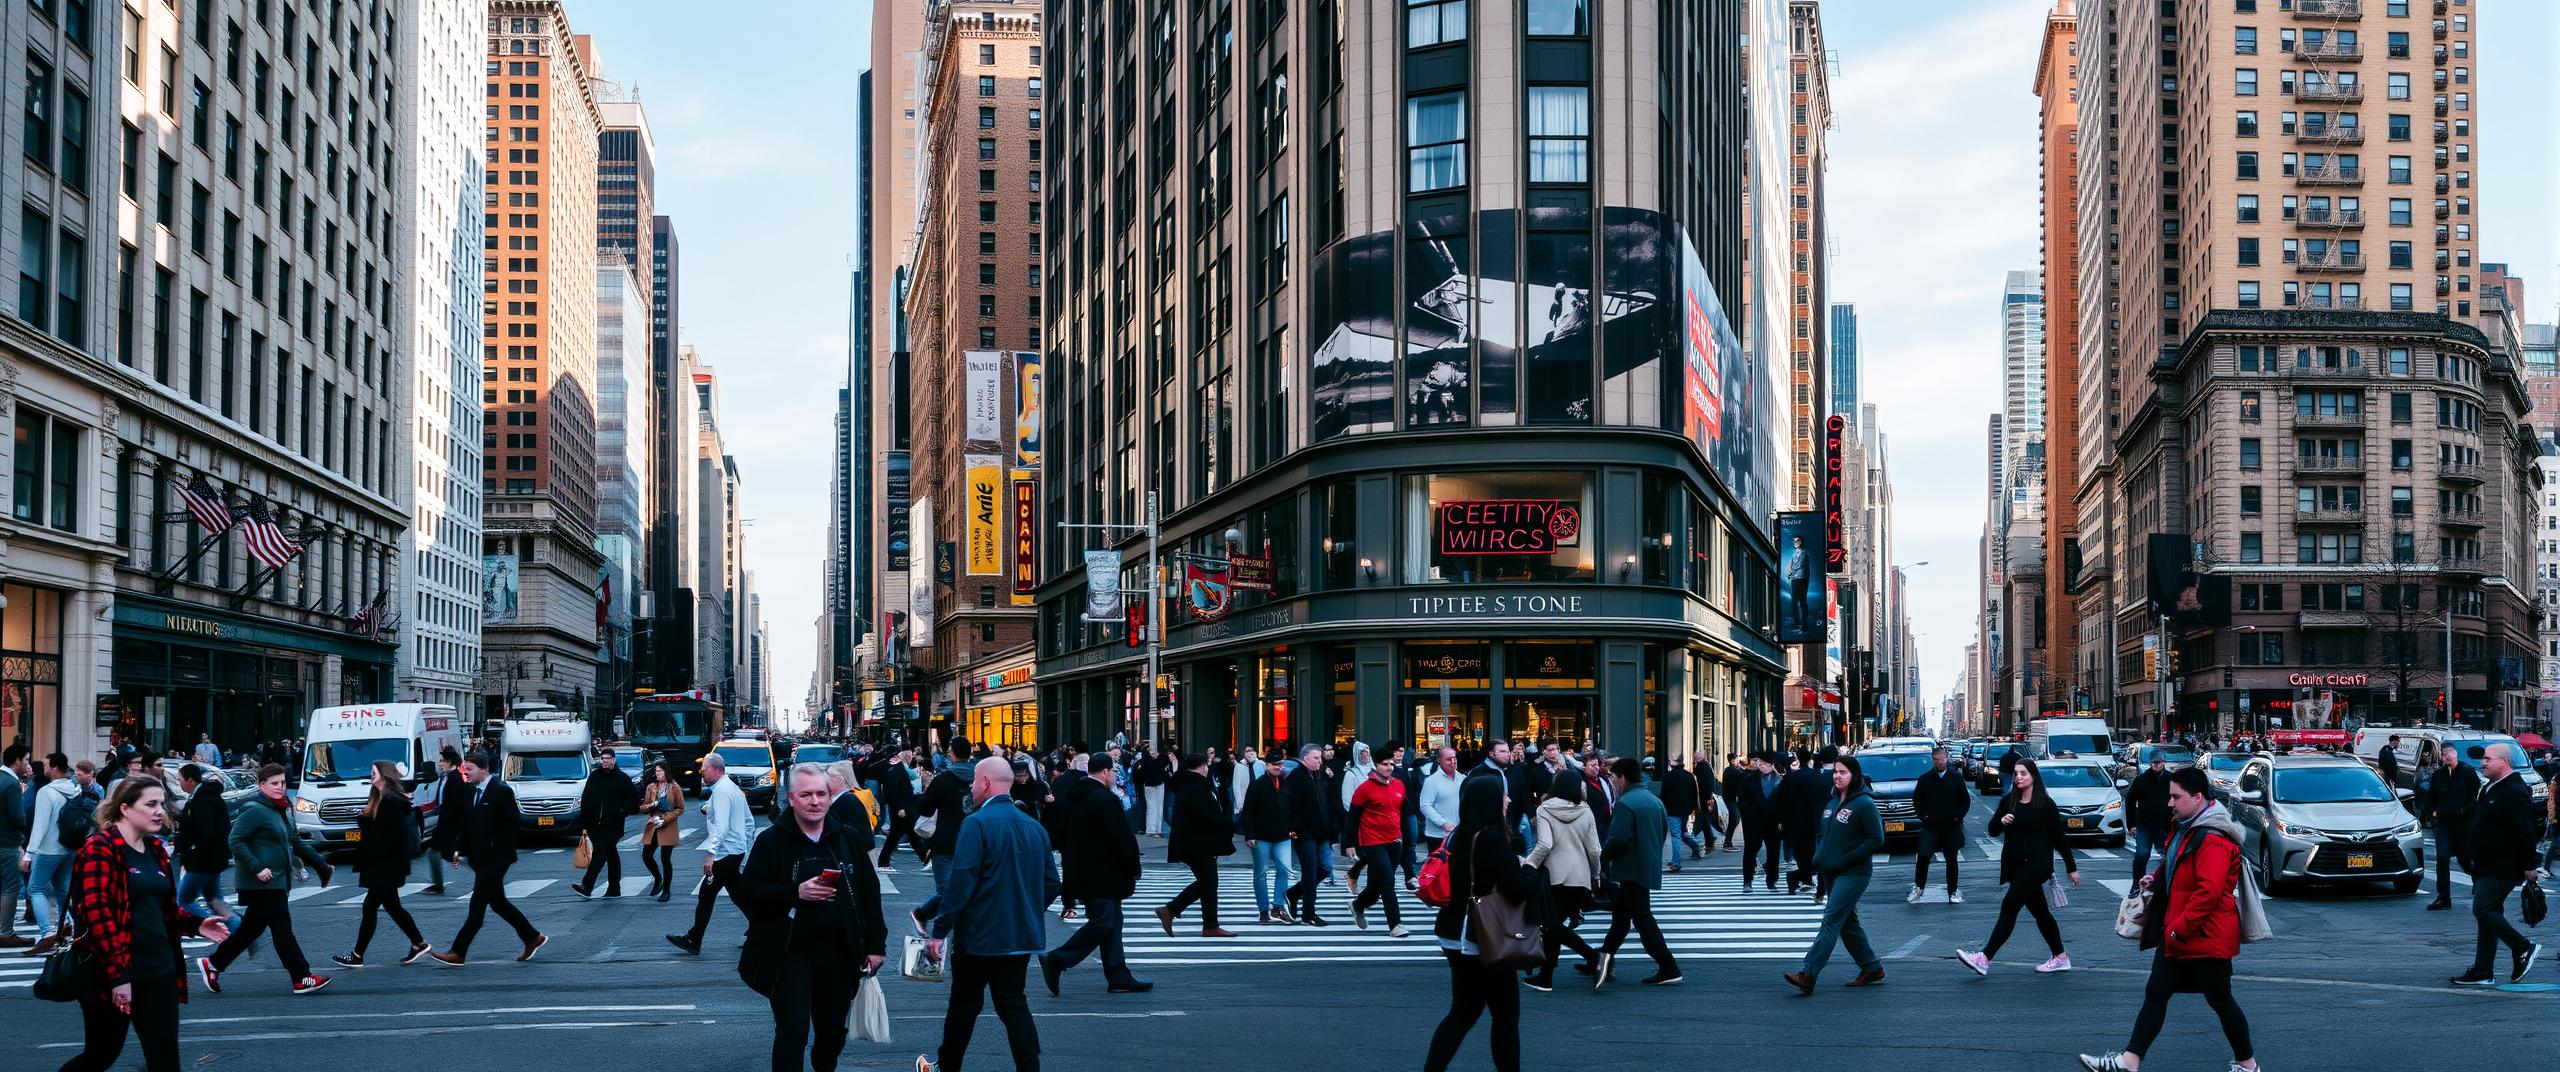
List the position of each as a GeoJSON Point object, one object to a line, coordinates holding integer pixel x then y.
{"type": "Point", "coordinates": [1932, 199]}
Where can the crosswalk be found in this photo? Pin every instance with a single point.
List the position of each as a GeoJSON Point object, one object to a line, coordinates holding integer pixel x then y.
{"type": "Point", "coordinates": [1704, 917]}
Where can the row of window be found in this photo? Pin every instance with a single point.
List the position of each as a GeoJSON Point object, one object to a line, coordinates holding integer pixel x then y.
{"type": "Point", "coordinates": [2347, 549]}
{"type": "Point", "coordinates": [1559, 127]}
{"type": "Point", "coordinates": [2403, 211]}
{"type": "Point", "coordinates": [2341, 84]}
{"type": "Point", "coordinates": [2349, 498]}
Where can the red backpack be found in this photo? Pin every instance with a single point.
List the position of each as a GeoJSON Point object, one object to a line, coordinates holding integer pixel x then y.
{"type": "Point", "coordinates": [1432, 886]}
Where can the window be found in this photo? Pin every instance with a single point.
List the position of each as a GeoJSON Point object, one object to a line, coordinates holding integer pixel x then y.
{"type": "Point", "coordinates": [986, 55]}
{"type": "Point", "coordinates": [1559, 133]}
{"type": "Point", "coordinates": [70, 272]}
{"type": "Point", "coordinates": [34, 297]}
{"type": "Point", "coordinates": [2247, 78]}
{"type": "Point", "coordinates": [2400, 211]}
{"type": "Point", "coordinates": [2249, 257]}
{"type": "Point", "coordinates": [1435, 23]}
{"type": "Point", "coordinates": [2248, 205]}
{"type": "Point", "coordinates": [2252, 500]}
{"type": "Point", "coordinates": [39, 112]}
{"type": "Point", "coordinates": [986, 119]}
{"type": "Point", "coordinates": [2401, 454]}
{"type": "Point", "coordinates": [2399, 360]}
{"type": "Point", "coordinates": [2249, 457]}
{"type": "Point", "coordinates": [45, 471]}
{"type": "Point", "coordinates": [986, 148]}
{"type": "Point", "coordinates": [2249, 406]}
{"type": "Point", "coordinates": [2244, 40]}
{"type": "Point", "coordinates": [2400, 408]}
{"type": "Point", "coordinates": [1446, 515]}
{"type": "Point", "coordinates": [2402, 255]}
{"type": "Point", "coordinates": [1436, 141]}
{"type": "Point", "coordinates": [2396, 86]}
{"type": "Point", "coordinates": [2246, 124]}
{"type": "Point", "coordinates": [986, 85]}
{"type": "Point", "coordinates": [2403, 297]}
{"type": "Point", "coordinates": [2248, 165]}
{"type": "Point", "coordinates": [2249, 287]}
{"type": "Point", "coordinates": [2252, 547]}
{"type": "Point", "coordinates": [1559, 18]}
{"type": "Point", "coordinates": [75, 136]}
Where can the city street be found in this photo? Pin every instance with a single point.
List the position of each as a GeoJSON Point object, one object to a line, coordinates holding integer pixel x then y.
{"type": "Point", "coordinates": [609, 987]}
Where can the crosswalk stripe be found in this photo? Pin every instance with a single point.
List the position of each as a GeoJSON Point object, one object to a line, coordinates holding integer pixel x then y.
{"type": "Point", "coordinates": [307, 892]}
{"type": "Point", "coordinates": [528, 887]}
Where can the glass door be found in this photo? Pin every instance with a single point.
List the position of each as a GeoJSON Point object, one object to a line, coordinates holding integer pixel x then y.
{"type": "Point", "coordinates": [1459, 724]}
{"type": "Point", "coordinates": [1562, 718]}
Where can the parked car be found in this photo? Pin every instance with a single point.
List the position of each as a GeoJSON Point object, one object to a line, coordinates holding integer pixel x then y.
{"type": "Point", "coordinates": [2137, 758]}
{"type": "Point", "coordinates": [2325, 818]}
{"type": "Point", "coordinates": [632, 762]}
{"type": "Point", "coordinates": [2091, 800]}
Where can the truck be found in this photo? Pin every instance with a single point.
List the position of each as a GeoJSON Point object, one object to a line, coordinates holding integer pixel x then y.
{"type": "Point", "coordinates": [340, 748]}
{"type": "Point", "coordinates": [544, 756]}
{"type": "Point", "coordinates": [681, 729]}
{"type": "Point", "coordinates": [2084, 738]}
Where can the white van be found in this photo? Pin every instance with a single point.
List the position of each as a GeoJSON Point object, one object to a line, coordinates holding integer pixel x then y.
{"type": "Point", "coordinates": [545, 760]}
{"type": "Point", "coordinates": [2083, 738]}
{"type": "Point", "coordinates": [340, 748]}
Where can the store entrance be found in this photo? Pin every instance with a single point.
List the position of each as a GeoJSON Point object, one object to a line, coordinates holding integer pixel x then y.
{"type": "Point", "coordinates": [1461, 723]}
{"type": "Point", "coordinates": [1564, 719]}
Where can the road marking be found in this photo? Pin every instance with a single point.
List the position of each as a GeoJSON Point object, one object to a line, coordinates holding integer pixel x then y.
{"type": "Point", "coordinates": [1905, 949]}
{"type": "Point", "coordinates": [413, 1030]}
{"type": "Point", "coordinates": [415, 1013]}
{"type": "Point", "coordinates": [1990, 847]}
{"type": "Point", "coordinates": [2122, 886]}
{"type": "Point", "coordinates": [528, 887]}
{"type": "Point", "coordinates": [306, 892]}
{"type": "Point", "coordinates": [2408, 988]}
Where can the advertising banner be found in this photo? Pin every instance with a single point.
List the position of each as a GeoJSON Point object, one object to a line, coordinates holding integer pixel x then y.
{"type": "Point", "coordinates": [1026, 409]}
{"type": "Point", "coordinates": [1208, 591]}
{"type": "Point", "coordinates": [1101, 584]}
{"type": "Point", "coordinates": [1026, 539]}
{"type": "Point", "coordinates": [1801, 620]}
{"type": "Point", "coordinates": [894, 496]}
{"type": "Point", "coordinates": [919, 582]}
{"type": "Point", "coordinates": [984, 506]}
{"type": "Point", "coordinates": [1506, 526]}
{"type": "Point", "coordinates": [985, 405]}
{"type": "Point", "coordinates": [1835, 527]}
{"type": "Point", "coordinates": [946, 563]}
{"type": "Point", "coordinates": [497, 589]}
{"type": "Point", "coordinates": [1252, 572]}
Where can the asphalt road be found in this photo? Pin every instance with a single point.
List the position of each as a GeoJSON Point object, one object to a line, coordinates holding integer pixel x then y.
{"type": "Point", "coordinates": [2354, 980]}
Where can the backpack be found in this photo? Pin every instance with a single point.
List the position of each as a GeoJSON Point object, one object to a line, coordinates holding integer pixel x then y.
{"type": "Point", "coordinates": [870, 805]}
{"type": "Point", "coordinates": [1432, 885]}
{"type": "Point", "coordinates": [74, 823]}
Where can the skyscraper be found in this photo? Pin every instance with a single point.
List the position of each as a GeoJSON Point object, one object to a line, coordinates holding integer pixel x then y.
{"type": "Point", "coordinates": [1847, 392]}
{"type": "Point", "coordinates": [2058, 118]}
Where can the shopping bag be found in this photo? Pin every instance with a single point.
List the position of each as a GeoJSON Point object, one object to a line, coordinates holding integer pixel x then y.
{"type": "Point", "coordinates": [2055, 895]}
{"type": "Point", "coordinates": [2130, 914]}
{"type": "Point", "coordinates": [2253, 909]}
{"type": "Point", "coordinates": [917, 966]}
{"type": "Point", "coordinates": [585, 855]}
{"type": "Point", "coordinates": [2536, 904]}
{"type": "Point", "coordinates": [1505, 935]}
{"type": "Point", "coordinates": [870, 1021]}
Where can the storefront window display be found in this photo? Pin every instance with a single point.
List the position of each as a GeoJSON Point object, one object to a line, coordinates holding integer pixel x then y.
{"type": "Point", "coordinates": [1014, 725]}
{"type": "Point", "coordinates": [1476, 528]}
{"type": "Point", "coordinates": [31, 666]}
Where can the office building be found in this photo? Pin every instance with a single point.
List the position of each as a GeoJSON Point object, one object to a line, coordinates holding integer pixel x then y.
{"type": "Point", "coordinates": [2058, 236]}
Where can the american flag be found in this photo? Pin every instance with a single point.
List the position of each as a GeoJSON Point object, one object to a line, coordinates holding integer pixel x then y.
{"type": "Point", "coordinates": [369, 620]}
{"type": "Point", "coordinates": [267, 541]}
{"type": "Point", "coordinates": [206, 504]}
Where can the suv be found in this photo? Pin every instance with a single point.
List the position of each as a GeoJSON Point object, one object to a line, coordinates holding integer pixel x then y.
{"type": "Point", "coordinates": [2325, 818]}
{"type": "Point", "coordinates": [2091, 802]}
{"type": "Point", "coordinates": [1892, 774]}
{"type": "Point", "coordinates": [751, 767]}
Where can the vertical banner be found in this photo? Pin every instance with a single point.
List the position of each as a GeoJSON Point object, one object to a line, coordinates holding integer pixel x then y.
{"type": "Point", "coordinates": [984, 503]}
{"type": "Point", "coordinates": [901, 546]}
{"type": "Point", "coordinates": [1026, 538]}
{"type": "Point", "coordinates": [1800, 619]}
{"type": "Point", "coordinates": [920, 582]}
{"type": "Point", "coordinates": [1026, 410]}
{"type": "Point", "coordinates": [985, 404]}
{"type": "Point", "coordinates": [1835, 542]}
{"type": "Point", "coordinates": [1209, 591]}
{"type": "Point", "coordinates": [1101, 585]}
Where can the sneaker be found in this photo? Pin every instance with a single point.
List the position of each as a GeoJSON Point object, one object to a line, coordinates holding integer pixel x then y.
{"type": "Point", "coordinates": [2524, 963]}
{"type": "Point", "coordinates": [2474, 978]}
{"type": "Point", "coordinates": [584, 892]}
{"type": "Point", "coordinates": [1313, 920]}
{"type": "Point", "coordinates": [1539, 983]}
{"type": "Point", "coordinates": [1400, 932]}
{"type": "Point", "coordinates": [2238, 1067]}
{"type": "Point", "coordinates": [1980, 964]}
{"type": "Point", "coordinates": [1600, 970]}
{"type": "Point", "coordinates": [1265, 918]}
{"type": "Point", "coordinates": [1661, 978]}
{"type": "Point", "coordinates": [537, 943]}
{"type": "Point", "coordinates": [2061, 962]}
{"type": "Point", "coordinates": [924, 1063]}
{"type": "Point", "coordinates": [1955, 896]}
{"type": "Point", "coordinates": [212, 975]}
{"type": "Point", "coordinates": [310, 984]}
{"type": "Point", "coordinates": [1067, 915]}
{"type": "Point", "coordinates": [349, 961]}
{"type": "Point", "coordinates": [415, 951]}
{"type": "Point", "coordinates": [2113, 1062]}
{"type": "Point", "coordinates": [448, 959]}
{"type": "Point", "coordinates": [44, 946]}
{"type": "Point", "coordinates": [433, 890]}
{"type": "Point", "coordinates": [1360, 917]}
{"type": "Point", "coordinates": [1915, 896]}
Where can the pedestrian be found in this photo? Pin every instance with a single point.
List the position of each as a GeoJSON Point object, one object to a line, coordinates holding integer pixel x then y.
{"type": "Point", "coordinates": [62, 820]}
{"type": "Point", "coordinates": [1480, 863]}
{"type": "Point", "coordinates": [663, 803]}
{"type": "Point", "coordinates": [382, 864]}
{"type": "Point", "coordinates": [1715, 820]}
{"type": "Point", "coordinates": [1265, 824]}
{"type": "Point", "coordinates": [1568, 849]}
{"type": "Point", "coordinates": [1756, 810]}
{"type": "Point", "coordinates": [946, 800]}
{"type": "Point", "coordinates": [897, 806]}
{"type": "Point", "coordinates": [263, 843]}
{"type": "Point", "coordinates": [2030, 830]}
{"type": "Point", "coordinates": [2387, 762]}
{"type": "Point", "coordinates": [989, 926]}
{"type": "Point", "coordinates": [2501, 840]}
{"type": "Point", "coordinates": [1631, 857]}
{"type": "Point", "coordinates": [726, 837]}
{"type": "Point", "coordinates": [1803, 797]}
{"type": "Point", "coordinates": [479, 829]}
{"type": "Point", "coordinates": [2146, 805]}
{"type": "Point", "coordinates": [2452, 793]}
{"type": "Point", "coordinates": [814, 931]}
{"type": "Point", "coordinates": [605, 805]}
{"type": "Point", "coordinates": [1439, 803]}
{"type": "Point", "coordinates": [203, 850]}
{"type": "Point", "coordinates": [1311, 831]}
{"type": "Point", "coordinates": [1152, 773]}
{"type": "Point", "coordinates": [13, 841]}
{"type": "Point", "coordinates": [849, 805]}
{"type": "Point", "coordinates": [1942, 800]}
{"type": "Point", "coordinates": [1737, 774]}
{"type": "Point", "coordinates": [1376, 825]}
{"type": "Point", "coordinates": [1102, 864]}
{"type": "Point", "coordinates": [1240, 778]}
{"type": "Point", "coordinates": [1203, 832]}
{"type": "Point", "coordinates": [130, 924]}
{"type": "Point", "coordinates": [1678, 790]}
{"type": "Point", "coordinates": [206, 753]}
{"type": "Point", "coordinates": [430, 803]}
{"type": "Point", "coordinates": [2193, 925]}
{"type": "Point", "coordinates": [1852, 834]}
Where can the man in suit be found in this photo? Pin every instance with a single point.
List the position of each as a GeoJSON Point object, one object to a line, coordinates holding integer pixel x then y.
{"type": "Point", "coordinates": [1754, 813]}
{"type": "Point", "coordinates": [1736, 773]}
{"type": "Point", "coordinates": [605, 805]}
{"type": "Point", "coordinates": [2500, 854]}
{"type": "Point", "coordinates": [897, 804]}
{"type": "Point", "coordinates": [1102, 860]}
{"type": "Point", "coordinates": [2451, 796]}
{"type": "Point", "coordinates": [478, 830]}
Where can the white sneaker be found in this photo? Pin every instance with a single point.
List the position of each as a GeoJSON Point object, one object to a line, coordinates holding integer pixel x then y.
{"type": "Point", "coordinates": [1915, 896]}
{"type": "Point", "coordinates": [2061, 963]}
{"type": "Point", "coordinates": [1955, 896]}
{"type": "Point", "coordinates": [1980, 964]}
{"type": "Point", "coordinates": [2238, 1067]}
{"type": "Point", "coordinates": [2113, 1062]}
{"type": "Point", "coordinates": [1398, 932]}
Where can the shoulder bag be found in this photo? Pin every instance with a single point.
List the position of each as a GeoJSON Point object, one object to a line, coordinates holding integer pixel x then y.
{"type": "Point", "coordinates": [2253, 909]}
{"type": "Point", "coordinates": [1505, 935]}
{"type": "Point", "coordinates": [928, 824]}
{"type": "Point", "coordinates": [2130, 915]}
{"type": "Point", "coordinates": [1432, 885]}
{"type": "Point", "coordinates": [70, 974]}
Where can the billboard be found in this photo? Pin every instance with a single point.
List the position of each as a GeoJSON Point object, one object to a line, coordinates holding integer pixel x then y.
{"type": "Point", "coordinates": [1729, 406]}
{"type": "Point", "coordinates": [895, 491]}
{"type": "Point", "coordinates": [498, 594]}
{"type": "Point", "coordinates": [920, 582]}
{"type": "Point", "coordinates": [984, 406]}
{"type": "Point", "coordinates": [1026, 539]}
{"type": "Point", "coordinates": [1801, 617]}
{"type": "Point", "coordinates": [984, 507]}
{"type": "Point", "coordinates": [1026, 410]}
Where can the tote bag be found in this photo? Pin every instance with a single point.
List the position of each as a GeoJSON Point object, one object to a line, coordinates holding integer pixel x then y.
{"type": "Point", "coordinates": [870, 1021]}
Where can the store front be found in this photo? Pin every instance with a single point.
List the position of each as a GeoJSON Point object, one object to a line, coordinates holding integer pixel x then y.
{"type": "Point", "coordinates": [1003, 706]}
{"type": "Point", "coordinates": [181, 670]}
{"type": "Point", "coordinates": [30, 666]}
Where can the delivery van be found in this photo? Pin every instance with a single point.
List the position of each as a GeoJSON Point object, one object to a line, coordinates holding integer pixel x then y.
{"type": "Point", "coordinates": [339, 751]}
{"type": "Point", "coordinates": [2078, 738]}
{"type": "Point", "coordinates": [544, 756]}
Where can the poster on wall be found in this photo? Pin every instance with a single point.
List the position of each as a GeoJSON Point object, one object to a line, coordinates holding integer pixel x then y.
{"type": "Point", "coordinates": [1026, 539]}
{"type": "Point", "coordinates": [1702, 387]}
{"type": "Point", "coordinates": [1351, 374]}
{"type": "Point", "coordinates": [1801, 620]}
{"type": "Point", "coordinates": [1438, 327]}
{"type": "Point", "coordinates": [1639, 316]}
{"type": "Point", "coordinates": [901, 549]}
{"type": "Point", "coordinates": [985, 405]}
{"type": "Point", "coordinates": [920, 582]}
{"type": "Point", "coordinates": [1208, 591]}
{"type": "Point", "coordinates": [1026, 410]}
{"type": "Point", "coordinates": [985, 507]}
{"type": "Point", "coordinates": [498, 595]}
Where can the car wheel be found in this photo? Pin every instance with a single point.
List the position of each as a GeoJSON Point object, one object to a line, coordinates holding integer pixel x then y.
{"type": "Point", "coordinates": [2269, 881]}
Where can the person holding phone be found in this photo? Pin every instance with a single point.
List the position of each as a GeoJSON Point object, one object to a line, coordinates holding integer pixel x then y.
{"type": "Point", "coordinates": [812, 900]}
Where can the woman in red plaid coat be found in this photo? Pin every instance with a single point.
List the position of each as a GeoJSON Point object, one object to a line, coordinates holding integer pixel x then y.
{"type": "Point", "coordinates": [124, 896]}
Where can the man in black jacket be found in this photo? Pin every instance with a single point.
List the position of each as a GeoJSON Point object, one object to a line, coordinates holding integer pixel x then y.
{"type": "Point", "coordinates": [479, 827]}
{"type": "Point", "coordinates": [1311, 806]}
{"type": "Point", "coordinates": [1755, 811]}
{"type": "Point", "coordinates": [2146, 803]}
{"type": "Point", "coordinates": [1101, 857]}
{"type": "Point", "coordinates": [1203, 831]}
{"type": "Point", "coordinates": [449, 786]}
{"type": "Point", "coordinates": [1679, 793]}
{"type": "Point", "coordinates": [814, 930]}
{"type": "Point", "coordinates": [1736, 774]}
{"type": "Point", "coordinates": [2502, 836]}
{"type": "Point", "coordinates": [605, 805]}
{"type": "Point", "coordinates": [204, 843]}
{"type": "Point", "coordinates": [1941, 798]}
{"type": "Point", "coordinates": [897, 805]}
{"type": "Point", "coordinates": [1265, 824]}
{"type": "Point", "coordinates": [2451, 793]}
{"type": "Point", "coordinates": [2387, 762]}
{"type": "Point", "coordinates": [1799, 809]}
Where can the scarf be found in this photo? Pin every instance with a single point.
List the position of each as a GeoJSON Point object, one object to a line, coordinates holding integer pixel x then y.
{"type": "Point", "coordinates": [2187, 832]}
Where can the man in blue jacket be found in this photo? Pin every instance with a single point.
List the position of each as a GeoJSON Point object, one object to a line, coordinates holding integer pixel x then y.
{"type": "Point", "coordinates": [1001, 876]}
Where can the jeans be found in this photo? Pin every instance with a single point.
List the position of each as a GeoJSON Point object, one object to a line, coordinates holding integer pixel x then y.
{"type": "Point", "coordinates": [489, 893]}
{"type": "Point", "coordinates": [1800, 863]}
{"type": "Point", "coordinates": [2489, 910]}
{"type": "Point", "coordinates": [973, 980]}
{"type": "Point", "coordinates": [1382, 882]}
{"type": "Point", "coordinates": [154, 1019]}
{"type": "Point", "coordinates": [1730, 823]}
{"type": "Point", "coordinates": [814, 994]}
{"type": "Point", "coordinates": [1678, 836]}
{"type": "Point", "coordinates": [1840, 926]}
{"type": "Point", "coordinates": [724, 875]}
{"type": "Point", "coordinates": [1634, 909]}
{"type": "Point", "coordinates": [1527, 829]}
{"type": "Point", "coordinates": [2031, 897]}
{"type": "Point", "coordinates": [1155, 809]}
{"type": "Point", "coordinates": [201, 893]}
{"type": "Point", "coordinates": [2146, 842]}
{"type": "Point", "coordinates": [1101, 931]}
{"type": "Point", "coordinates": [2209, 977]}
{"type": "Point", "coordinates": [1270, 874]}
{"type": "Point", "coordinates": [1311, 855]}
{"type": "Point", "coordinates": [48, 885]}
{"type": "Point", "coordinates": [264, 911]}
{"type": "Point", "coordinates": [1948, 843]}
{"type": "Point", "coordinates": [1475, 989]}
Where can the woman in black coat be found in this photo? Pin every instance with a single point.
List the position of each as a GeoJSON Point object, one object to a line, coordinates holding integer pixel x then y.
{"type": "Point", "coordinates": [383, 848]}
{"type": "Point", "coordinates": [2031, 831]}
{"type": "Point", "coordinates": [1480, 861]}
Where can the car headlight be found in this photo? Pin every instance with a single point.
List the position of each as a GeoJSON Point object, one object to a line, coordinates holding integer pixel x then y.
{"type": "Point", "coordinates": [2113, 805]}
{"type": "Point", "coordinates": [765, 779]}
{"type": "Point", "coordinates": [305, 805]}
{"type": "Point", "coordinates": [2405, 829]}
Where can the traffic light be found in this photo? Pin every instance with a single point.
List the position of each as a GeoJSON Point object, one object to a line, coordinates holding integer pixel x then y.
{"type": "Point", "coordinates": [2226, 677]}
{"type": "Point", "coordinates": [2173, 663]}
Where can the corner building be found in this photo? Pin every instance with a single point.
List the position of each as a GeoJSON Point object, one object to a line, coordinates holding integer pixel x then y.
{"type": "Point", "coordinates": [1372, 291]}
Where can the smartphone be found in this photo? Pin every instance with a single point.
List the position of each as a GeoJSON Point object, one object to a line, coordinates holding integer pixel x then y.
{"type": "Point", "coordinates": [831, 877]}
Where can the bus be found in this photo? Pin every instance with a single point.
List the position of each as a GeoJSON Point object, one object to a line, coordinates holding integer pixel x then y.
{"type": "Point", "coordinates": [681, 729]}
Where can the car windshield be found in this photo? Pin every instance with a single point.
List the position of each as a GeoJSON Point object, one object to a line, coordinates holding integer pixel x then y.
{"type": "Point", "coordinates": [2329, 785]}
{"type": "Point", "coordinates": [745, 757]}
{"type": "Point", "coordinates": [2230, 761]}
{"type": "Point", "coordinates": [1894, 766]}
{"type": "Point", "coordinates": [2075, 776]}
{"type": "Point", "coordinates": [556, 766]}
{"type": "Point", "coordinates": [2515, 754]}
{"type": "Point", "coordinates": [347, 761]}
{"type": "Point", "coordinates": [2083, 744]}
{"type": "Point", "coordinates": [2173, 755]}
{"type": "Point", "coordinates": [816, 753]}
{"type": "Point", "coordinates": [663, 724]}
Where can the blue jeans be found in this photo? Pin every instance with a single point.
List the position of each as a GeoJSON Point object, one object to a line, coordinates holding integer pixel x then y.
{"type": "Point", "coordinates": [48, 885]}
{"type": "Point", "coordinates": [1840, 926]}
{"type": "Point", "coordinates": [1681, 835]}
{"type": "Point", "coordinates": [1528, 832]}
{"type": "Point", "coordinates": [1101, 931]}
{"type": "Point", "coordinates": [1270, 874]}
{"type": "Point", "coordinates": [207, 886]}
{"type": "Point", "coordinates": [2146, 842]}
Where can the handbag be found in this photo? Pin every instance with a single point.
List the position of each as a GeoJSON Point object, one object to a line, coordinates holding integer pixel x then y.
{"type": "Point", "coordinates": [927, 825]}
{"type": "Point", "coordinates": [2253, 909]}
{"type": "Point", "coordinates": [916, 965]}
{"type": "Point", "coordinates": [2055, 895]}
{"type": "Point", "coordinates": [870, 1020]}
{"type": "Point", "coordinates": [70, 974]}
{"type": "Point", "coordinates": [1505, 936]}
{"type": "Point", "coordinates": [2130, 915]}
{"type": "Point", "coordinates": [585, 855]}
{"type": "Point", "coordinates": [2536, 904]}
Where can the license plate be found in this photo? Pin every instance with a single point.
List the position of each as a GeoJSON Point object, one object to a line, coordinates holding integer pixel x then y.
{"type": "Point", "coordinates": [2076, 824]}
{"type": "Point", "coordinates": [1893, 828]}
{"type": "Point", "coordinates": [2360, 861]}
{"type": "Point", "coordinates": [544, 821]}
{"type": "Point", "coordinates": [355, 835]}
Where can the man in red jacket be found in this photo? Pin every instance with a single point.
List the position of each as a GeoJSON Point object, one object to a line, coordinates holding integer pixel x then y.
{"type": "Point", "coordinates": [1377, 815]}
{"type": "Point", "coordinates": [2194, 924]}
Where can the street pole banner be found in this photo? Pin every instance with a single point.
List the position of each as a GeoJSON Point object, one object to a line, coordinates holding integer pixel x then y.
{"type": "Point", "coordinates": [920, 582]}
{"type": "Point", "coordinates": [986, 533]}
{"type": "Point", "coordinates": [1102, 584]}
{"type": "Point", "coordinates": [1026, 409]}
{"type": "Point", "coordinates": [985, 405]}
{"type": "Point", "coordinates": [1207, 590]}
